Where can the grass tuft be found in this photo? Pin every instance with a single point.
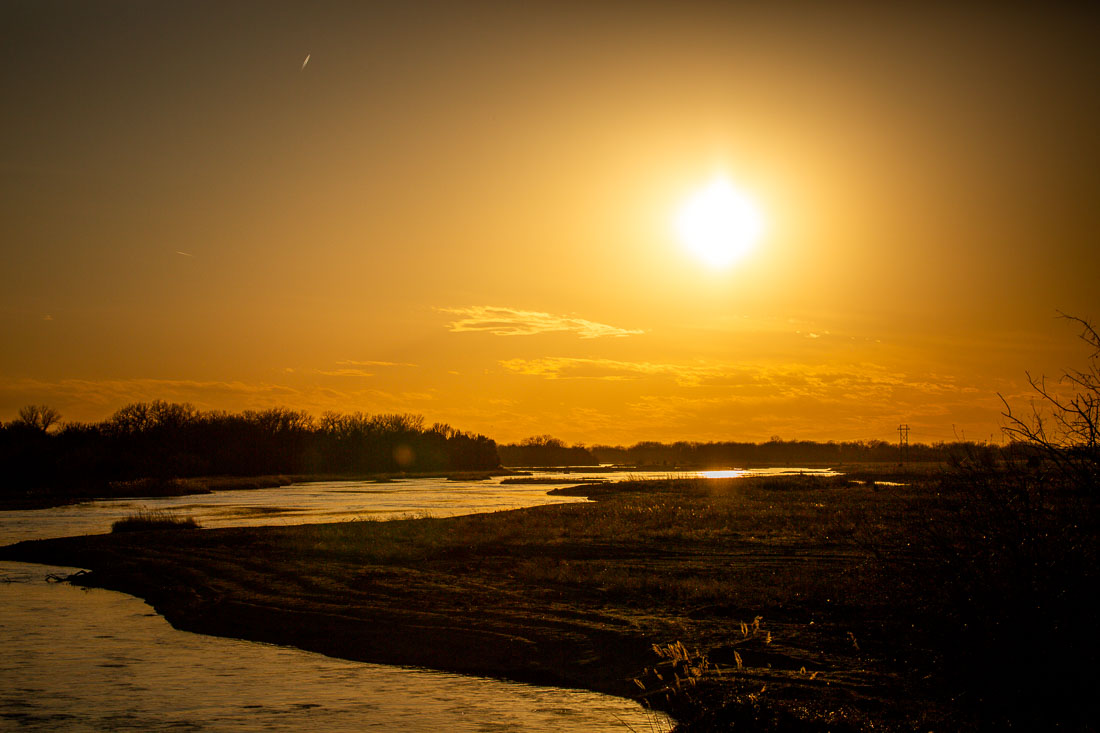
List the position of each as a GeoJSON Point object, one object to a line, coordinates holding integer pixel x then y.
{"type": "Point", "coordinates": [156, 519]}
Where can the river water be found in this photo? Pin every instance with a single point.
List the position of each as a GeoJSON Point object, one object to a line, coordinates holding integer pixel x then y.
{"type": "Point", "coordinates": [76, 659]}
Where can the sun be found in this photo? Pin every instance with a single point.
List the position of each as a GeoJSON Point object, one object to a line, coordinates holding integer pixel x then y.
{"type": "Point", "coordinates": [719, 224]}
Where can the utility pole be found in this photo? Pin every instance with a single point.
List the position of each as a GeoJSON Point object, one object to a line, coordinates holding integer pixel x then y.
{"type": "Point", "coordinates": [903, 443]}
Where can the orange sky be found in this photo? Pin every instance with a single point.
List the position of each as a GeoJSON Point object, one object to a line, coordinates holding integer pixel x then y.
{"type": "Point", "coordinates": [465, 210]}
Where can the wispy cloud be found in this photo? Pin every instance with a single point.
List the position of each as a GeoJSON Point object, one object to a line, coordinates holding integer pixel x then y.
{"type": "Point", "coordinates": [501, 321]}
{"type": "Point", "coordinates": [555, 367]}
{"type": "Point", "coordinates": [354, 363]}
{"type": "Point", "coordinates": [860, 381]}
{"type": "Point", "coordinates": [88, 399]}
{"type": "Point", "coordinates": [345, 373]}
{"type": "Point", "coordinates": [683, 374]}
{"type": "Point", "coordinates": [119, 391]}
{"type": "Point", "coordinates": [354, 368]}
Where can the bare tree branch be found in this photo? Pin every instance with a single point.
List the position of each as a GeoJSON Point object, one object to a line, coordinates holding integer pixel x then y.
{"type": "Point", "coordinates": [1064, 424]}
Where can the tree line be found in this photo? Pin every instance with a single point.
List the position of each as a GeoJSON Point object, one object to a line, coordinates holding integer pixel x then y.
{"type": "Point", "coordinates": [777, 452]}
{"type": "Point", "coordinates": [545, 450]}
{"type": "Point", "coordinates": [165, 440]}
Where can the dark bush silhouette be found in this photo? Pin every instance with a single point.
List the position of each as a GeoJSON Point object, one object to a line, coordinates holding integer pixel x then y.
{"type": "Point", "coordinates": [1006, 562]}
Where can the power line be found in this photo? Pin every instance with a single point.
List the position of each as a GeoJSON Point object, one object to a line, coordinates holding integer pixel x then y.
{"type": "Point", "coordinates": [903, 442]}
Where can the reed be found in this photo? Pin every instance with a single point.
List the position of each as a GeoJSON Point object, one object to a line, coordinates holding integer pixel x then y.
{"type": "Point", "coordinates": [154, 519]}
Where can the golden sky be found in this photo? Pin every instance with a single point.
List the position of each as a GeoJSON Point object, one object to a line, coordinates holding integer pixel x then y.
{"type": "Point", "coordinates": [466, 210]}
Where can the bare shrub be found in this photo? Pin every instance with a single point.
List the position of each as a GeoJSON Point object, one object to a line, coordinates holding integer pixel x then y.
{"type": "Point", "coordinates": [1005, 561]}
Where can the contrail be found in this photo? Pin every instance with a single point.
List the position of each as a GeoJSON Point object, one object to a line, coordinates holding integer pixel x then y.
{"type": "Point", "coordinates": [305, 62]}
{"type": "Point", "coordinates": [185, 254]}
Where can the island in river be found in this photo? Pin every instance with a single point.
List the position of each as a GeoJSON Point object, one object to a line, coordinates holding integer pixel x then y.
{"type": "Point", "coordinates": [785, 603]}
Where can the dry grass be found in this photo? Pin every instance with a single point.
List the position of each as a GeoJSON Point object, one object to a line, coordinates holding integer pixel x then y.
{"type": "Point", "coordinates": [941, 575]}
{"type": "Point", "coordinates": [157, 519]}
{"type": "Point", "coordinates": [758, 544]}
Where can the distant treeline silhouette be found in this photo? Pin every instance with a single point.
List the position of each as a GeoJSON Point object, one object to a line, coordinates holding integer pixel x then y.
{"type": "Point", "coordinates": [162, 440]}
{"type": "Point", "coordinates": [169, 440]}
{"type": "Point", "coordinates": [779, 452]}
{"type": "Point", "coordinates": [545, 450]}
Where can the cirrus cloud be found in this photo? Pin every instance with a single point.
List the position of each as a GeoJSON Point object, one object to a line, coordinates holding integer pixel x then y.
{"type": "Point", "coordinates": [501, 321]}
{"type": "Point", "coordinates": [96, 399]}
{"type": "Point", "coordinates": [858, 381]}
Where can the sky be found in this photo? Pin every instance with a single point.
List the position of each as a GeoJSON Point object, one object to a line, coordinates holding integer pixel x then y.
{"type": "Point", "coordinates": [467, 210]}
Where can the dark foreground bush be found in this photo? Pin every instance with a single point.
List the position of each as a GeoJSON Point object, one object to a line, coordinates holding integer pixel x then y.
{"type": "Point", "coordinates": [156, 519]}
{"type": "Point", "coordinates": [1007, 566]}
{"type": "Point", "coordinates": [1005, 561]}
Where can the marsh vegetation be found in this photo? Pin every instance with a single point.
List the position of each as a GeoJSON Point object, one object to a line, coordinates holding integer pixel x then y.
{"type": "Point", "coordinates": [145, 521]}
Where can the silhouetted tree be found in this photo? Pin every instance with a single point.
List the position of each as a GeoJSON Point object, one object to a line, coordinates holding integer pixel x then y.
{"type": "Point", "coordinates": [545, 450]}
{"type": "Point", "coordinates": [1010, 569]}
{"type": "Point", "coordinates": [1064, 425]}
{"type": "Point", "coordinates": [38, 417]}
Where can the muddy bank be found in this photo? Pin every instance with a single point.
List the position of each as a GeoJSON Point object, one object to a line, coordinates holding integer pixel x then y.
{"type": "Point", "coordinates": [448, 615]}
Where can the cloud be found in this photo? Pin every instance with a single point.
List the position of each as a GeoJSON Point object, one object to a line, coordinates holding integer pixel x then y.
{"type": "Point", "coordinates": [354, 363]}
{"type": "Point", "coordinates": [350, 368]}
{"type": "Point", "coordinates": [89, 399]}
{"type": "Point", "coordinates": [116, 392]}
{"type": "Point", "coordinates": [512, 322]}
{"type": "Point", "coordinates": [684, 375]}
{"type": "Point", "coordinates": [864, 382]}
{"type": "Point", "coordinates": [577, 368]}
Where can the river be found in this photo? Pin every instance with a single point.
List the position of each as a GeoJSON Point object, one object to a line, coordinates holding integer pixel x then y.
{"type": "Point", "coordinates": [78, 659]}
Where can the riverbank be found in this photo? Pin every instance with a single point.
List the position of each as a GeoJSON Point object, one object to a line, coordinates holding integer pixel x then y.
{"type": "Point", "coordinates": [43, 498]}
{"type": "Point", "coordinates": [786, 587]}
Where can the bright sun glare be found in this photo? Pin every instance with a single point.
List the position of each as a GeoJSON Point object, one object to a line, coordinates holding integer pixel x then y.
{"type": "Point", "coordinates": [719, 224]}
